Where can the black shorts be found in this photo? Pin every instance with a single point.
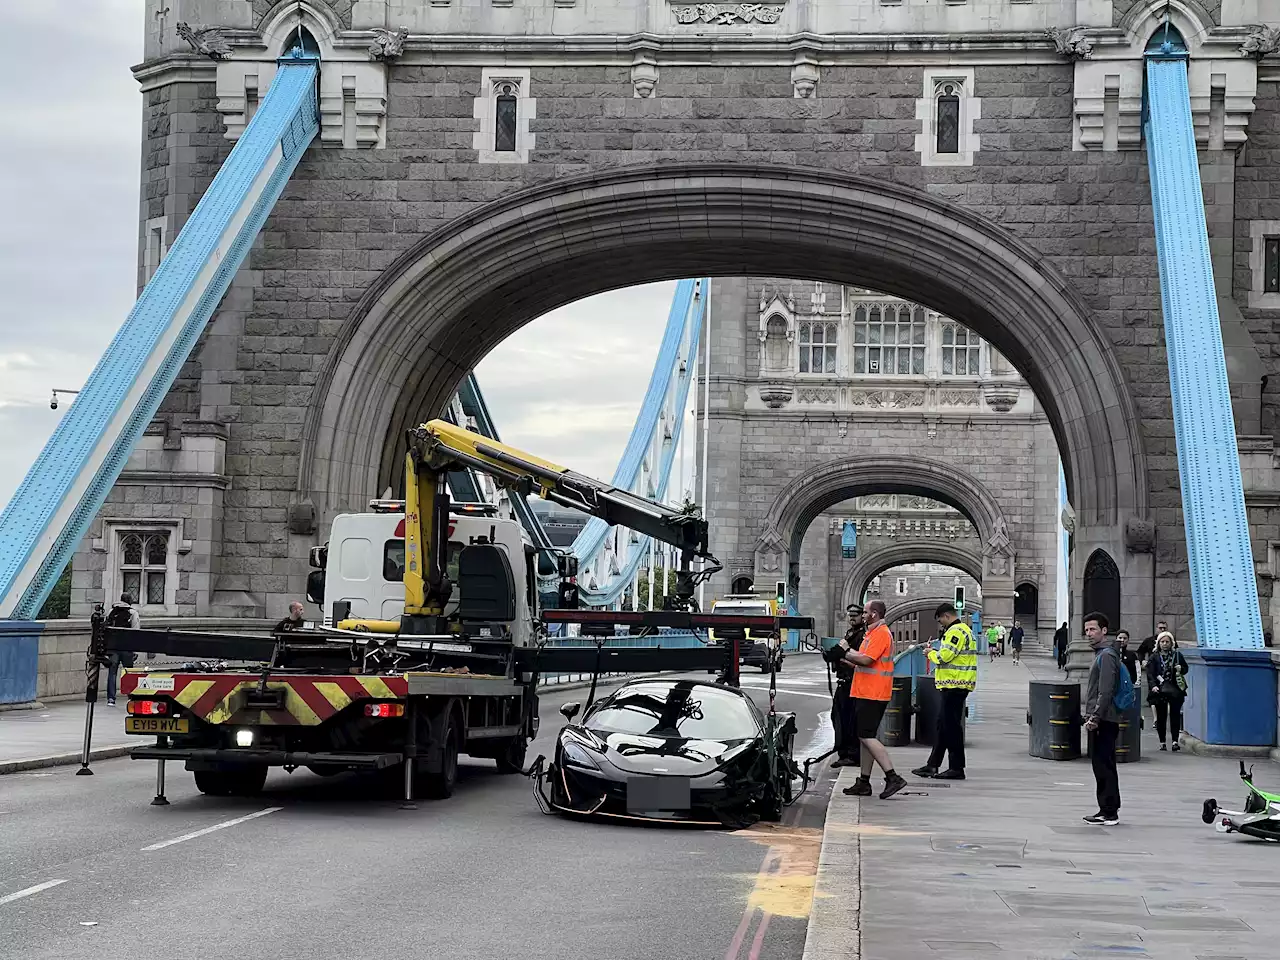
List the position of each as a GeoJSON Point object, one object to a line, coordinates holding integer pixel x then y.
{"type": "Point", "coordinates": [870, 713]}
{"type": "Point", "coordinates": [1017, 644]}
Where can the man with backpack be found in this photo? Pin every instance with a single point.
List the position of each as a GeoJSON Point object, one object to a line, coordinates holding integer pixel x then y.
{"type": "Point", "coordinates": [1109, 694]}
{"type": "Point", "coordinates": [122, 615]}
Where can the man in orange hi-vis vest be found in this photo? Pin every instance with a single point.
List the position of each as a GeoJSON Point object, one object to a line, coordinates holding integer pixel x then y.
{"type": "Point", "coordinates": [872, 687]}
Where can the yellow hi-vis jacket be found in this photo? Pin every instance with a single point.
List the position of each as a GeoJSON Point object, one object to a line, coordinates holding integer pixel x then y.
{"type": "Point", "coordinates": [956, 659]}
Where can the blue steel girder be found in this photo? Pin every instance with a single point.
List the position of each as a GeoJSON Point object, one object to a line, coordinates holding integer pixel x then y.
{"type": "Point", "coordinates": [66, 487]}
{"type": "Point", "coordinates": [612, 558]}
{"type": "Point", "coordinates": [1223, 585]}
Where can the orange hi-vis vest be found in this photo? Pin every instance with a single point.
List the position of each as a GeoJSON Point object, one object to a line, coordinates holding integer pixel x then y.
{"type": "Point", "coordinates": [876, 681]}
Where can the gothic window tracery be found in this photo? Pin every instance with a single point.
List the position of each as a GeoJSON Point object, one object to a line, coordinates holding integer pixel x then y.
{"type": "Point", "coordinates": [888, 339]}
{"type": "Point", "coordinates": [818, 343]}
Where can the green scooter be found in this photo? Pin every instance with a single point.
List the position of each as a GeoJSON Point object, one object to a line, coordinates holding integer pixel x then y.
{"type": "Point", "coordinates": [1260, 817]}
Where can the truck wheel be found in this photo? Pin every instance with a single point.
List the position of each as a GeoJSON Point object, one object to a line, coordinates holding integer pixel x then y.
{"type": "Point", "coordinates": [438, 786]}
{"type": "Point", "coordinates": [212, 783]}
{"type": "Point", "coordinates": [771, 805]}
{"type": "Point", "coordinates": [511, 757]}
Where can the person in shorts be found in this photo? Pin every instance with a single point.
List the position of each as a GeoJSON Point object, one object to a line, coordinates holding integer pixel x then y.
{"type": "Point", "coordinates": [871, 689]}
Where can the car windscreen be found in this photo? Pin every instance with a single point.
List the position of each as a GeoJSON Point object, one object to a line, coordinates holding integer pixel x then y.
{"type": "Point", "coordinates": [691, 711]}
{"type": "Point", "coordinates": [745, 609]}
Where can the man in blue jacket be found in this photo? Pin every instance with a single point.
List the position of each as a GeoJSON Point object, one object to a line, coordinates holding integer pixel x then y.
{"type": "Point", "coordinates": [1102, 719]}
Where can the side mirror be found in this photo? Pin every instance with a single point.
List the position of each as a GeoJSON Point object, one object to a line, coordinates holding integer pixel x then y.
{"type": "Point", "coordinates": [315, 587]}
{"type": "Point", "coordinates": [570, 709]}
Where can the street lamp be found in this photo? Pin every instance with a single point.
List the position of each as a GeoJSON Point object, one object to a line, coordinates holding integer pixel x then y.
{"type": "Point", "coordinates": [53, 399]}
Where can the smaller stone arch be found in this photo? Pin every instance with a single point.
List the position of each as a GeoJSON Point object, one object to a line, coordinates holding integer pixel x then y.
{"type": "Point", "coordinates": [908, 551]}
{"type": "Point", "coordinates": [925, 605]}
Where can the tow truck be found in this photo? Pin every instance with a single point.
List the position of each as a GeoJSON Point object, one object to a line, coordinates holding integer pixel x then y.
{"type": "Point", "coordinates": [455, 671]}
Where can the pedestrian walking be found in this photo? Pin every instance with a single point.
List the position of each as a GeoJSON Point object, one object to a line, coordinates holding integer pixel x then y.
{"type": "Point", "coordinates": [1015, 640]}
{"type": "Point", "coordinates": [1128, 656]}
{"type": "Point", "coordinates": [1109, 693]}
{"type": "Point", "coordinates": [1001, 635]}
{"type": "Point", "coordinates": [1061, 639]}
{"type": "Point", "coordinates": [843, 719]}
{"type": "Point", "coordinates": [872, 687]}
{"type": "Point", "coordinates": [125, 616]}
{"type": "Point", "coordinates": [1148, 647]}
{"type": "Point", "coordinates": [955, 678]}
{"type": "Point", "coordinates": [1167, 687]}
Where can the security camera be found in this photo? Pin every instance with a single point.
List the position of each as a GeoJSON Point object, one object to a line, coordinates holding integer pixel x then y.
{"type": "Point", "coordinates": [53, 401]}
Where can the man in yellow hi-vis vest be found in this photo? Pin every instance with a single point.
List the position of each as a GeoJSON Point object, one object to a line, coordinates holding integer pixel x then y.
{"type": "Point", "coordinates": [956, 660]}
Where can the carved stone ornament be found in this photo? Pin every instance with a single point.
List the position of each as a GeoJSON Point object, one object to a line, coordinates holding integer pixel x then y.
{"type": "Point", "coordinates": [1139, 535]}
{"type": "Point", "coordinates": [1069, 520]}
{"type": "Point", "coordinates": [898, 399]}
{"type": "Point", "coordinates": [776, 395]}
{"type": "Point", "coordinates": [387, 44]}
{"type": "Point", "coordinates": [999, 544]}
{"type": "Point", "coordinates": [206, 41]}
{"type": "Point", "coordinates": [804, 83]}
{"type": "Point", "coordinates": [958, 398]}
{"type": "Point", "coordinates": [1261, 42]}
{"type": "Point", "coordinates": [815, 395]}
{"type": "Point", "coordinates": [644, 76]}
{"type": "Point", "coordinates": [725, 14]}
{"type": "Point", "coordinates": [1000, 397]}
{"type": "Point", "coordinates": [1071, 42]}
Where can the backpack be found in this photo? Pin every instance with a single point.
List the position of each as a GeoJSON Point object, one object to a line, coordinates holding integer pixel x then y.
{"type": "Point", "coordinates": [120, 617]}
{"type": "Point", "coordinates": [1125, 695]}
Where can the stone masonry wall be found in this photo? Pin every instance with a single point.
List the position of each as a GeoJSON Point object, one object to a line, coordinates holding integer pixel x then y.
{"type": "Point", "coordinates": [346, 215]}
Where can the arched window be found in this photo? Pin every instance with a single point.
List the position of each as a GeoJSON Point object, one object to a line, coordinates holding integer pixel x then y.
{"type": "Point", "coordinates": [302, 37]}
{"type": "Point", "coordinates": [742, 585]}
{"type": "Point", "coordinates": [777, 348]}
{"type": "Point", "coordinates": [1102, 588]}
{"type": "Point", "coordinates": [948, 119]}
{"type": "Point", "coordinates": [144, 567]}
{"type": "Point", "coordinates": [504, 120]}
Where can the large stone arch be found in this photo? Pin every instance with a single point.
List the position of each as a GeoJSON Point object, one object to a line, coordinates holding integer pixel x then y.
{"type": "Point", "coordinates": [452, 297]}
{"type": "Point", "coordinates": [912, 551]}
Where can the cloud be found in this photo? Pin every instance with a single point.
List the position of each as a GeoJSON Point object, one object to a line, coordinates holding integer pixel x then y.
{"type": "Point", "coordinates": [568, 386]}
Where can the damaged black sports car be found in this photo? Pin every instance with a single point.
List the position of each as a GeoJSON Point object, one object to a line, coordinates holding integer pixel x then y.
{"type": "Point", "coordinates": [672, 750]}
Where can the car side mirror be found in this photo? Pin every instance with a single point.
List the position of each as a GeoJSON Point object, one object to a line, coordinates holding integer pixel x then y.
{"type": "Point", "coordinates": [570, 709]}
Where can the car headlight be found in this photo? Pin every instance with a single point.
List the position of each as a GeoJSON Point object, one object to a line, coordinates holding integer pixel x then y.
{"type": "Point", "coordinates": [576, 756]}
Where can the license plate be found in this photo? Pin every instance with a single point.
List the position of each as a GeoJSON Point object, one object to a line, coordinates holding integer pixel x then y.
{"type": "Point", "coordinates": [646, 794]}
{"type": "Point", "coordinates": [155, 725]}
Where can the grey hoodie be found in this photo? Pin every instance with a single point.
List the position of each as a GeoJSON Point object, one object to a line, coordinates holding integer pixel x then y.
{"type": "Point", "coordinates": [1104, 677]}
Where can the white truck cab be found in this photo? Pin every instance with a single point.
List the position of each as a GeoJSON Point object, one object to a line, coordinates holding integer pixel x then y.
{"type": "Point", "coordinates": [363, 562]}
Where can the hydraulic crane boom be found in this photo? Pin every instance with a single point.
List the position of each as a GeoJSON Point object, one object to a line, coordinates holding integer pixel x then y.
{"type": "Point", "coordinates": [437, 447]}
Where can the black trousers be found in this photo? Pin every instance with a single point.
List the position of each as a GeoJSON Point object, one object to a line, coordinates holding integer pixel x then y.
{"type": "Point", "coordinates": [1104, 767]}
{"type": "Point", "coordinates": [950, 736]}
{"type": "Point", "coordinates": [1168, 713]}
{"type": "Point", "coordinates": [844, 722]}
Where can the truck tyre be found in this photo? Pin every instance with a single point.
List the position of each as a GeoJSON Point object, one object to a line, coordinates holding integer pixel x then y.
{"type": "Point", "coordinates": [511, 757]}
{"type": "Point", "coordinates": [771, 805]}
{"type": "Point", "coordinates": [439, 786]}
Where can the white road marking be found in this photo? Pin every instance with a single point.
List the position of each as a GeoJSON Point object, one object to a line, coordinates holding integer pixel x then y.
{"type": "Point", "coordinates": [29, 891]}
{"type": "Point", "coordinates": [217, 826]}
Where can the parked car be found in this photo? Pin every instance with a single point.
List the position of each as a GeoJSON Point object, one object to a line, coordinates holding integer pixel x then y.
{"type": "Point", "coordinates": [672, 750]}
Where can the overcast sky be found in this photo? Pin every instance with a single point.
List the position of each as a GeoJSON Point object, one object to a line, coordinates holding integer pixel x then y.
{"type": "Point", "coordinates": [68, 250]}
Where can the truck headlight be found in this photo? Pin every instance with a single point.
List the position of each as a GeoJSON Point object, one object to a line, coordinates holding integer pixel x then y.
{"type": "Point", "coordinates": [244, 738]}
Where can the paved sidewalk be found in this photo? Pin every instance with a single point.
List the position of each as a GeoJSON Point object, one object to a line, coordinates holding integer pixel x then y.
{"type": "Point", "coordinates": [54, 735]}
{"type": "Point", "coordinates": [1000, 865]}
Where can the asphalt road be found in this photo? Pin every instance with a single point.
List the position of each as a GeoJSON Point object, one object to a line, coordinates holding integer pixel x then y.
{"type": "Point", "coordinates": [324, 868]}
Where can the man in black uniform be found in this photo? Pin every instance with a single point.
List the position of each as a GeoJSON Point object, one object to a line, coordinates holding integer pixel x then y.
{"type": "Point", "coordinates": [848, 749]}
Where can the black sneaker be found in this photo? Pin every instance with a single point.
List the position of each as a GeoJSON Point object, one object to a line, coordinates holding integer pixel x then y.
{"type": "Point", "coordinates": [1102, 820]}
{"type": "Point", "coordinates": [111, 702]}
{"type": "Point", "coordinates": [1166, 747]}
{"type": "Point", "coordinates": [1177, 747]}
{"type": "Point", "coordinates": [843, 762]}
{"type": "Point", "coordinates": [893, 782]}
{"type": "Point", "coordinates": [950, 775]}
{"type": "Point", "coordinates": [861, 788]}
{"type": "Point", "coordinates": [926, 771]}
